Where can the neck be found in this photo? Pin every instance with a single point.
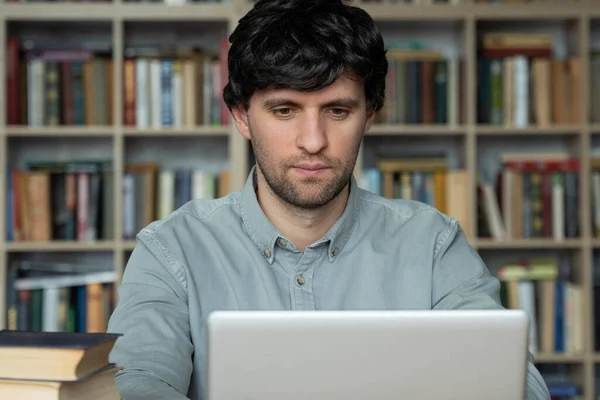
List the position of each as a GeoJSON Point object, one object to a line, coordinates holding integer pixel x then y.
{"type": "Point", "coordinates": [301, 226]}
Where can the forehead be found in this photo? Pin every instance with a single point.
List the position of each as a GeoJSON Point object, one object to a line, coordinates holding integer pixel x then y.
{"type": "Point", "coordinates": [344, 87]}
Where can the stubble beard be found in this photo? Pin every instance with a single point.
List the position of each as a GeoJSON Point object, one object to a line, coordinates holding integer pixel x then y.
{"type": "Point", "coordinates": [304, 193]}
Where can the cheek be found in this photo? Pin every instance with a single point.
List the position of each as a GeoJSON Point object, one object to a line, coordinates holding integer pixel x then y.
{"type": "Point", "coordinates": [345, 140]}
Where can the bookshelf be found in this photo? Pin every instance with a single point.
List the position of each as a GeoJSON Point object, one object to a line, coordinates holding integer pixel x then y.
{"type": "Point", "coordinates": [471, 145]}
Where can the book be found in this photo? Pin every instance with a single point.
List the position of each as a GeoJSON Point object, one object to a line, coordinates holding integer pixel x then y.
{"type": "Point", "coordinates": [99, 385]}
{"type": "Point", "coordinates": [53, 356]}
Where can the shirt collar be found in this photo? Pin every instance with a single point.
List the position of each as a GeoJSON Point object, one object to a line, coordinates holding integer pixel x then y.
{"type": "Point", "coordinates": [265, 235]}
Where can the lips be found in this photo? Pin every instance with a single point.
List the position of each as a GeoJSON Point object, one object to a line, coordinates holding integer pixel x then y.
{"type": "Point", "coordinates": [311, 167]}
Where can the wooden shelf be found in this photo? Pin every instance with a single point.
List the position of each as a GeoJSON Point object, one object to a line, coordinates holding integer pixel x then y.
{"type": "Point", "coordinates": [59, 246]}
{"type": "Point", "coordinates": [128, 245]}
{"type": "Point", "coordinates": [485, 130]}
{"type": "Point", "coordinates": [462, 12]}
{"type": "Point", "coordinates": [557, 358]}
{"type": "Point", "coordinates": [37, 11]}
{"type": "Point", "coordinates": [187, 12]}
{"type": "Point", "coordinates": [196, 131]}
{"type": "Point", "coordinates": [91, 11]}
{"type": "Point", "coordinates": [416, 130]}
{"type": "Point", "coordinates": [530, 12]}
{"type": "Point", "coordinates": [490, 244]}
{"type": "Point", "coordinates": [409, 12]}
{"type": "Point", "coordinates": [54, 131]}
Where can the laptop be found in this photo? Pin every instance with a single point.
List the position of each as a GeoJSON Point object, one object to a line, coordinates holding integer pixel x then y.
{"type": "Point", "coordinates": [352, 355]}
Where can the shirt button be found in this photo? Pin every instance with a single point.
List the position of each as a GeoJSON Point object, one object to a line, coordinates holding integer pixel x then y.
{"type": "Point", "coordinates": [300, 279]}
{"type": "Point", "coordinates": [335, 252]}
{"type": "Point", "coordinates": [282, 242]}
{"type": "Point", "coordinates": [267, 253]}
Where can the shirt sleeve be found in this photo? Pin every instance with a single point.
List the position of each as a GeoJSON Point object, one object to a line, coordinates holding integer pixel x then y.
{"type": "Point", "coordinates": [155, 350]}
{"type": "Point", "coordinates": [461, 280]}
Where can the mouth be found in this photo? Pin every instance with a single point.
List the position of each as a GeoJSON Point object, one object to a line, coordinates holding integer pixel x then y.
{"type": "Point", "coordinates": [310, 169]}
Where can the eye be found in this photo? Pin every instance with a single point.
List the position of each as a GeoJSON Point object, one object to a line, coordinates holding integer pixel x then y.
{"type": "Point", "coordinates": [339, 113]}
{"type": "Point", "coordinates": [283, 112]}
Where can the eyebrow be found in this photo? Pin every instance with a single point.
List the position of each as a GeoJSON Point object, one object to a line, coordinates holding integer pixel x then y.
{"type": "Point", "coordinates": [338, 102]}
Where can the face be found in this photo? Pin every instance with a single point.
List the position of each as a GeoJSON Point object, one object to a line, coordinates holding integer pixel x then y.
{"type": "Point", "coordinates": [306, 143]}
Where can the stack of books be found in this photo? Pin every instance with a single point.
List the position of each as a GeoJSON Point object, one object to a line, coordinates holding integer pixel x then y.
{"type": "Point", "coordinates": [57, 365]}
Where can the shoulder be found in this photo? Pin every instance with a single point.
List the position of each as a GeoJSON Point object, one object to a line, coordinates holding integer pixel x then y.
{"type": "Point", "coordinates": [181, 229]}
{"type": "Point", "coordinates": [407, 218]}
{"type": "Point", "coordinates": [197, 213]}
{"type": "Point", "coordinates": [401, 210]}
{"type": "Point", "coordinates": [172, 239]}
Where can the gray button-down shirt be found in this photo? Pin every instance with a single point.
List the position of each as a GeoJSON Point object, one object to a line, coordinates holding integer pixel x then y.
{"type": "Point", "coordinates": [225, 254]}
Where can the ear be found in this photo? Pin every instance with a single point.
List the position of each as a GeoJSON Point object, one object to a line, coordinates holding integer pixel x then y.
{"type": "Point", "coordinates": [370, 118]}
{"type": "Point", "coordinates": [240, 116]}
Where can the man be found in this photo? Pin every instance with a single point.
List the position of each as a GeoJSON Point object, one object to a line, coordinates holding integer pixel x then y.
{"type": "Point", "coordinates": [306, 79]}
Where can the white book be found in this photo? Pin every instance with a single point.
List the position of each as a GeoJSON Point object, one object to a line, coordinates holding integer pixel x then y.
{"type": "Point", "coordinates": [521, 91]}
{"type": "Point", "coordinates": [558, 207]}
{"type": "Point", "coordinates": [177, 85]}
{"type": "Point", "coordinates": [198, 185]}
{"type": "Point", "coordinates": [527, 303]}
{"type": "Point", "coordinates": [142, 108]}
{"type": "Point", "coordinates": [50, 304]}
{"type": "Point", "coordinates": [128, 206]}
{"type": "Point", "coordinates": [35, 92]}
{"type": "Point", "coordinates": [492, 211]}
{"type": "Point", "coordinates": [166, 193]}
{"type": "Point", "coordinates": [61, 281]}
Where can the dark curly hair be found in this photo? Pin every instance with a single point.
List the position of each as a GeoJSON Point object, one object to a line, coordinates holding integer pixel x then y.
{"type": "Point", "coordinates": [304, 45]}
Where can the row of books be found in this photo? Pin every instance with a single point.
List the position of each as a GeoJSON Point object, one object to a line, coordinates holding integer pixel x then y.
{"type": "Point", "coordinates": [59, 297]}
{"type": "Point", "coordinates": [57, 87]}
{"type": "Point", "coordinates": [533, 196]}
{"type": "Point", "coordinates": [75, 200]}
{"type": "Point", "coordinates": [60, 201]}
{"type": "Point", "coordinates": [425, 179]}
{"type": "Point", "coordinates": [422, 87]}
{"type": "Point", "coordinates": [176, 89]}
{"type": "Point", "coordinates": [161, 88]}
{"type": "Point", "coordinates": [151, 193]}
{"type": "Point", "coordinates": [555, 304]}
{"type": "Point", "coordinates": [520, 82]}
{"type": "Point", "coordinates": [520, 91]}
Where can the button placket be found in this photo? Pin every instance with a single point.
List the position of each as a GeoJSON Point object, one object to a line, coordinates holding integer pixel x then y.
{"type": "Point", "coordinates": [301, 282]}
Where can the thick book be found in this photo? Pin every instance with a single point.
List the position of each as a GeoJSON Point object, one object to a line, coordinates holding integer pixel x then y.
{"type": "Point", "coordinates": [58, 356]}
{"type": "Point", "coordinates": [99, 385]}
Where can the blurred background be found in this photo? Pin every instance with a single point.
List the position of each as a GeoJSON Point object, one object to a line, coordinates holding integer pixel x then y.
{"type": "Point", "coordinates": [113, 118]}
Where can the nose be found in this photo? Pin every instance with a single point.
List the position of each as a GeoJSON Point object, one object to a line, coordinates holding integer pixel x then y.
{"type": "Point", "coordinates": [312, 135]}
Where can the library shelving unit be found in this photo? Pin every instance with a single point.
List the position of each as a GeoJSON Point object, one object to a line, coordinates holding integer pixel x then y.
{"type": "Point", "coordinates": [116, 27]}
